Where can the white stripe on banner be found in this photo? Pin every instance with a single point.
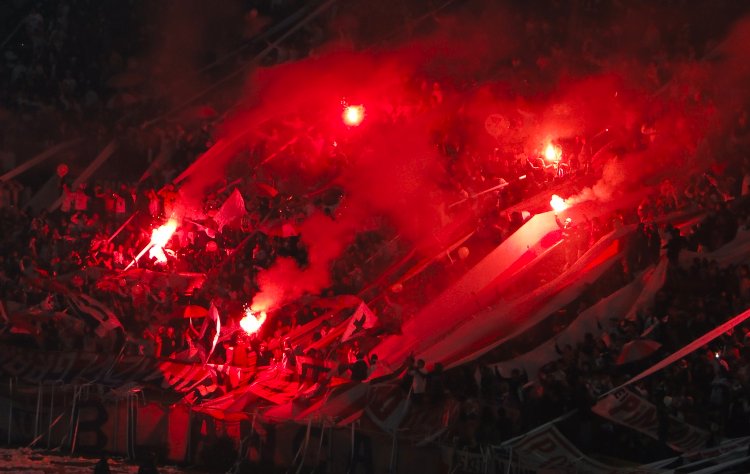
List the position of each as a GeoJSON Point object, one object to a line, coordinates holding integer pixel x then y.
{"type": "Point", "coordinates": [721, 467]}
{"type": "Point", "coordinates": [90, 308]}
{"type": "Point", "coordinates": [89, 170]}
{"type": "Point", "coordinates": [597, 319]}
{"type": "Point", "coordinates": [548, 450]}
{"type": "Point", "coordinates": [733, 253]}
{"type": "Point", "coordinates": [711, 462]}
{"type": "Point", "coordinates": [701, 341]}
{"type": "Point", "coordinates": [488, 329]}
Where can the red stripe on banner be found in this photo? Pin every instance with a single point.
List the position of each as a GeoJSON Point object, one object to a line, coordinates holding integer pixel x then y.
{"type": "Point", "coordinates": [612, 250]}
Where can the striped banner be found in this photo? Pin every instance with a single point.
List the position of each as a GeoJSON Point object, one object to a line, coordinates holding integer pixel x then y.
{"type": "Point", "coordinates": [94, 313]}
{"type": "Point", "coordinates": [628, 409]}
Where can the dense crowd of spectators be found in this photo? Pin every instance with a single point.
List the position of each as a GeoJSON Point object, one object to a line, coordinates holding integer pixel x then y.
{"type": "Point", "coordinates": [61, 82]}
{"type": "Point", "coordinates": [707, 388]}
{"type": "Point", "coordinates": [100, 226]}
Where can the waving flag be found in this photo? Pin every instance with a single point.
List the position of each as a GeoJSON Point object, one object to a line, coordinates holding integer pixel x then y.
{"type": "Point", "coordinates": [275, 386]}
{"type": "Point", "coordinates": [636, 350]}
{"type": "Point", "coordinates": [201, 343]}
{"type": "Point", "coordinates": [362, 319]}
{"type": "Point", "coordinates": [233, 209]}
{"type": "Point", "coordinates": [94, 313]}
{"type": "Point", "coordinates": [213, 316]}
{"type": "Point", "coordinates": [387, 407]}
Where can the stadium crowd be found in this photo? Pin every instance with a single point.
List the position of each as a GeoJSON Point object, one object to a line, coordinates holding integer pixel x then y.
{"type": "Point", "coordinates": [93, 236]}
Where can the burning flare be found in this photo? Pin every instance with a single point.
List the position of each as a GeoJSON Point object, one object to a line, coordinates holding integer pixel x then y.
{"type": "Point", "coordinates": [552, 152]}
{"type": "Point", "coordinates": [161, 235]}
{"type": "Point", "coordinates": [558, 204]}
{"type": "Point", "coordinates": [251, 323]}
{"type": "Point", "coordinates": [159, 238]}
{"type": "Point", "coordinates": [353, 115]}
{"type": "Point", "coordinates": [158, 254]}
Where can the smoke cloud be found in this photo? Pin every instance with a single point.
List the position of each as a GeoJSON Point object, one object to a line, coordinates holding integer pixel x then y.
{"type": "Point", "coordinates": [325, 239]}
{"type": "Point", "coordinates": [484, 64]}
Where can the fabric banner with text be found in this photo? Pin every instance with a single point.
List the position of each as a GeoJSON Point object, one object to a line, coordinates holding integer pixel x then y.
{"type": "Point", "coordinates": [628, 409]}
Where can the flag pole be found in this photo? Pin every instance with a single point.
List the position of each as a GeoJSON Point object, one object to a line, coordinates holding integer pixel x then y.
{"type": "Point", "coordinates": [10, 409]}
{"type": "Point", "coordinates": [122, 227]}
{"type": "Point", "coordinates": [51, 410]}
{"type": "Point", "coordinates": [304, 446]}
{"type": "Point", "coordinates": [320, 443]}
{"type": "Point", "coordinates": [138, 257]}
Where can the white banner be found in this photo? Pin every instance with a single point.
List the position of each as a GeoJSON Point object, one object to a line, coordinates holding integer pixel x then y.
{"type": "Point", "coordinates": [735, 252]}
{"type": "Point", "coordinates": [652, 284]}
{"type": "Point", "coordinates": [628, 409]}
{"type": "Point", "coordinates": [362, 319]}
{"type": "Point", "coordinates": [490, 328]}
{"type": "Point", "coordinates": [596, 320]}
{"type": "Point", "coordinates": [87, 307]}
{"type": "Point", "coordinates": [547, 450]}
{"type": "Point", "coordinates": [696, 344]}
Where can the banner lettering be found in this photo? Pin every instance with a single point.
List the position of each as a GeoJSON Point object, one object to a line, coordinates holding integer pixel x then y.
{"type": "Point", "coordinates": [628, 409]}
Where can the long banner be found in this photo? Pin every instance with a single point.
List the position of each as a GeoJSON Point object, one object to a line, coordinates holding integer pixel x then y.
{"type": "Point", "coordinates": [601, 317]}
{"type": "Point", "coordinates": [489, 328]}
{"type": "Point", "coordinates": [696, 344]}
{"type": "Point", "coordinates": [130, 426]}
{"type": "Point", "coordinates": [87, 309]}
{"type": "Point", "coordinates": [628, 409]}
{"type": "Point", "coordinates": [180, 282]}
{"type": "Point", "coordinates": [735, 252]}
{"type": "Point", "coordinates": [547, 450]}
{"type": "Point", "coordinates": [111, 370]}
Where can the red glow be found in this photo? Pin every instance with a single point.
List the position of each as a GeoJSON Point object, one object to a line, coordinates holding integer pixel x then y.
{"type": "Point", "coordinates": [552, 152]}
{"type": "Point", "coordinates": [558, 204]}
{"type": "Point", "coordinates": [353, 115]}
{"type": "Point", "coordinates": [251, 323]}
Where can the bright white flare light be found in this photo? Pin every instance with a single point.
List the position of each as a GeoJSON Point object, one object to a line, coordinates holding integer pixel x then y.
{"type": "Point", "coordinates": [159, 238]}
{"type": "Point", "coordinates": [558, 204]}
{"type": "Point", "coordinates": [353, 115]}
{"type": "Point", "coordinates": [251, 323]}
{"type": "Point", "coordinates": [161, 235]}
{"type": "Point", "coordinates": [552, 152]}
{"type": "Point", "coordinates": [158, 254]}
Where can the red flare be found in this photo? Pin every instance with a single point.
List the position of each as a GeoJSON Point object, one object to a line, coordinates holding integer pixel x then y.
{"type": "Point", "coordinates": [353, 115]}
{"type": "Point", "coordinates": [552, 152]}
{"type": "Point", "coordinates": [558, 204]}
{"type": "Point", "coordinates": [251, 323]}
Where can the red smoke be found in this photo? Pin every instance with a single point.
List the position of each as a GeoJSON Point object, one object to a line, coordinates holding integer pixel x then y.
{"type": "Point", "coordinates": [444, 88]}
{"type": "Point", "coordinates": [285, 281]}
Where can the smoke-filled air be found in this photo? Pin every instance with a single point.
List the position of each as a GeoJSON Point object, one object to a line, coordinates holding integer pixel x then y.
{"type": "Point", "coordinates": [376, 236]}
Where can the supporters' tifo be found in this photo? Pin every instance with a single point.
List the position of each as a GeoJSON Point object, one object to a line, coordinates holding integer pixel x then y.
{"type": "Point", "coordinates": [371, 236]}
